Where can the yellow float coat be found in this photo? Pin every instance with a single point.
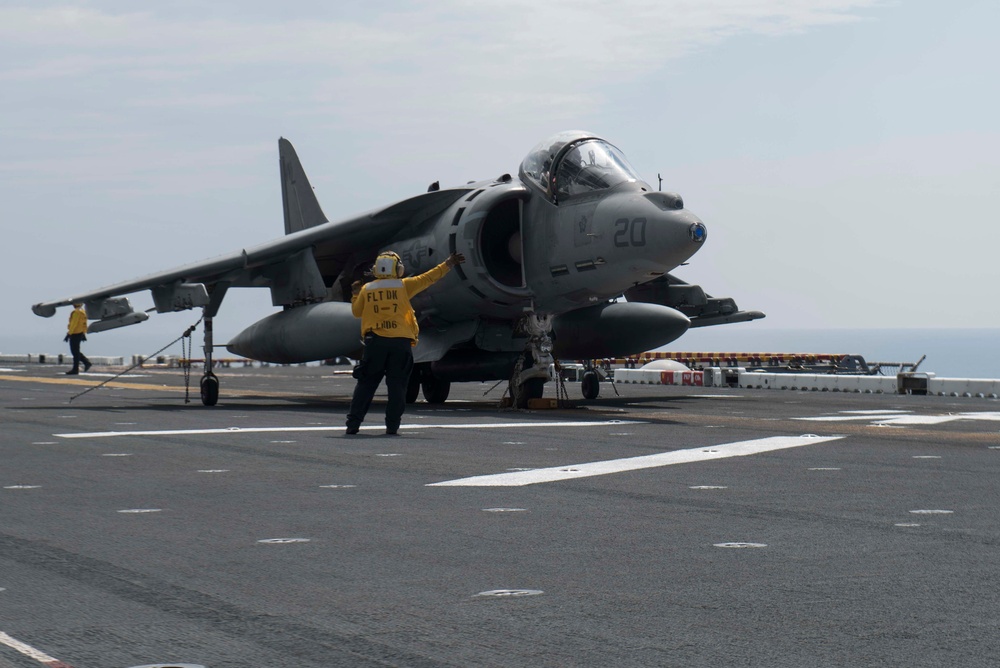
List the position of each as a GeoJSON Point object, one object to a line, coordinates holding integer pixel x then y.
{"type": "Point", "coordinates": [77, 322]}
{"type": "Point", "coordinates": [384, 304]}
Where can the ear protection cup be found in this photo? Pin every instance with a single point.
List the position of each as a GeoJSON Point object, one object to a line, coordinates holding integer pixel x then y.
{"type": "Point", "coordinates": [388, 265]}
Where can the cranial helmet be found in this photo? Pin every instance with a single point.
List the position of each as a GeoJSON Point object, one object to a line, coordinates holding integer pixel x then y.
{"type": "Point", "coordinates": [388, 265]}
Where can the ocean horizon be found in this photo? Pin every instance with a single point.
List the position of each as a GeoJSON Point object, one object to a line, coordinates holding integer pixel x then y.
{"type": "Point", "coordinates": [950, 353]}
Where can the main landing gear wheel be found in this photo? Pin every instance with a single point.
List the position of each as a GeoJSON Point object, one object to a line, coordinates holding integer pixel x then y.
{"type": "Point", "coordinates": [209, 389]}
{"type": "Point", "coordinates": [590, 385]}
{"type": "Point", "coordinates": [435, 391]}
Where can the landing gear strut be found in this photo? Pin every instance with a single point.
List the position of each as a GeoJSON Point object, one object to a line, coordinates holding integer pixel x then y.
{"type": "Point", "coordinates": [536, 366]}
{"type": "Point", "coordinates": [209, 381]}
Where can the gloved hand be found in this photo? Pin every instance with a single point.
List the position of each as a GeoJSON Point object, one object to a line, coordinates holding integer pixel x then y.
{"type": "Point", "coordinates": [66, 338]}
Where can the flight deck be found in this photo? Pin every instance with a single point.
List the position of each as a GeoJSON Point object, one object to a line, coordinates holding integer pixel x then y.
{"type": "Point", "coordinates": [653, 526]}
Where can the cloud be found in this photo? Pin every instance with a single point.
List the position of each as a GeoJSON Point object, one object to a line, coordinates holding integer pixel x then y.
{"type": "Point", "coordinates": [206, 100]}
{"type": "Point", "coordinates": [176, 81]}
{"type": "Point", "coordinates": [540, 45]}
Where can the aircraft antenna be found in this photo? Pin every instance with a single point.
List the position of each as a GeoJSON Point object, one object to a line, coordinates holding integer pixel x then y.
{"type": "Point", "coordinates": [660, 178]}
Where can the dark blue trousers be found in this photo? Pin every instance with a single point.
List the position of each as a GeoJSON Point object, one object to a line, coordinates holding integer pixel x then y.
{"type": "Point", "coordinates": [391, 358]}
{"type": "Point", "coordinates": [74, 348]}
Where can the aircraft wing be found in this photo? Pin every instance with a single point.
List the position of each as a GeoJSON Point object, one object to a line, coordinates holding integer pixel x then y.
{"type": "Point", "coordinates": [702, 308]}
{"type": "Point", "coordinates": [297, 267]}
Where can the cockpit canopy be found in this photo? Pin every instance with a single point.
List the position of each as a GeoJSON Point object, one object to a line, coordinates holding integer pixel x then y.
{"type": "Point", "coordinates": [574, 163]}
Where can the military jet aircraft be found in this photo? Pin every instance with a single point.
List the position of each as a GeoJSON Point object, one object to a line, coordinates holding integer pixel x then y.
{"type": "Point", "coordinates": [570, 260]}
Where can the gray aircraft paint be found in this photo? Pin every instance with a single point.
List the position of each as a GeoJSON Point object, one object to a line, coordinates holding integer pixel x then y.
{"type": "Point", "coordinates": [553, 248]}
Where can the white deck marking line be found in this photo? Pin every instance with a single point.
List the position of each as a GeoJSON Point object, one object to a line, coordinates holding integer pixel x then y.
{"type": "Point", "coordinates": [715, 396]}
{"type": "Point", "coordinates": [573, 471]}
{"type": "Point", "coordinates": [256, 430]}
{"type": "Point", "coordinates": [885, 419]}
{"type": "Point", "coordinates": [852, 418]}
{"type": "Point", "coordinates": [31, 652]}
{"type": "Point", "coordinates": [897, 419]}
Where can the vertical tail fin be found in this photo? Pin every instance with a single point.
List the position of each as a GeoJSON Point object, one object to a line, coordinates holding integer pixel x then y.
{"type": "Point", "coordinates": [302, 210]}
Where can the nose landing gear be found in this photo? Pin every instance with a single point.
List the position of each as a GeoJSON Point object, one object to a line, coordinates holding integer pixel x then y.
{"type": "Point", "coordinates": [536, 366]}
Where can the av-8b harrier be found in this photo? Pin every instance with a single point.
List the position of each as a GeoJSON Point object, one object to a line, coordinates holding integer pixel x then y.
{"type": "Point", "coordinates": [550, 255]}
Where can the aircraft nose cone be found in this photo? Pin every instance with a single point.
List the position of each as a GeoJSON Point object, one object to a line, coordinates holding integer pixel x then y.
{"type": "Point", "coordinates": [698, 232]}
{"type": "Point", "coordinates": [676, 236]}
{"type": "Point", "coordinates": [652, 231]}
{"type": "Point", "coordinates": [679, 232]}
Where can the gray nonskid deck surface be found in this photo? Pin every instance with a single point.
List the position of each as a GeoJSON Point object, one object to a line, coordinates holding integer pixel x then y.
{"type": "Point", "coordinates": [136, 529]}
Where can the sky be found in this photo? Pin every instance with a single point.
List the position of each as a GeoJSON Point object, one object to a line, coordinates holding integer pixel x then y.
{"type": "Point", "coordinates": [843, 154]}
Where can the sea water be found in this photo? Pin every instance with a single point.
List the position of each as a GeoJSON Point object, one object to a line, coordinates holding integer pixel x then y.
{"type": "Point", "coordinates": [951, 353]}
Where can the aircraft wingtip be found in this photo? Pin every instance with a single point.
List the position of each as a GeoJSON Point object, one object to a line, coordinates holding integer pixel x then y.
{"type": "Point", "coordinates": [44, 310]}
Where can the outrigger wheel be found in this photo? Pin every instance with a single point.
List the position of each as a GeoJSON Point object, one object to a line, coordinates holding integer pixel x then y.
{"type": "Point", "coordinates": [209, 389]}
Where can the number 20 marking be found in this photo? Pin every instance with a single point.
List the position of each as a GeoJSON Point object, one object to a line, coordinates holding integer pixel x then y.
{"type": "Point", "coordinates": [630, 232]}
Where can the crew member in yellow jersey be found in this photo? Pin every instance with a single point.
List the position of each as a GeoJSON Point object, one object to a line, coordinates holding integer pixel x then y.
{"type": "Point", "coordinates": [76, 333]}
{"type": "Point", "coordinates": [389, 328]}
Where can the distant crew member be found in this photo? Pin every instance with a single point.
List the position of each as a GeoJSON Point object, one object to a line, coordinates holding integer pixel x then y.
{"type": "Point", "coordinates": [76, 333]}
{"type": "Point", "coordinates": [389, 329]}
